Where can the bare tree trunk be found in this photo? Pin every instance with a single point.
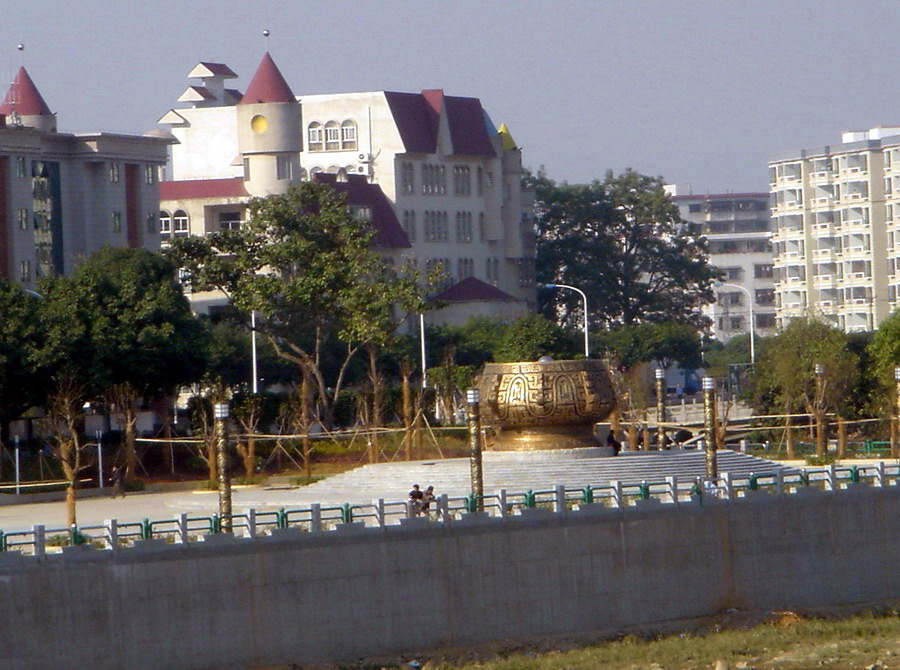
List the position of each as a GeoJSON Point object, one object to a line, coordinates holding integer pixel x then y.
{"type": "Point", "coordinates": [130, 416]}
{"type": "Point", "coordinates": [306, 422]}
{"type": "Point", "coordinates": [789, 433]}
{"type": "Point", "coordinates": [419, 425]}
{"type": "Point", "coordinates": [375, 418]}
{"type": "Point", "coordinates": [645, 432]}
{"type": "Point", "coordinates": [168, 450]}
{"type": "Point", "coordinates": [842, 437]}
{"type": "Point", "coordinates": [405, 373]}
{"type": "Point", "coordinates": [633, 437]}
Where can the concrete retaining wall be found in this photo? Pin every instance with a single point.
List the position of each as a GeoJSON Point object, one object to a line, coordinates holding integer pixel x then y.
{"type": "Point", "coordinates": [302, 597]}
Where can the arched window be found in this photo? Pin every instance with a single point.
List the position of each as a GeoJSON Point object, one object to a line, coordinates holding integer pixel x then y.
{"type": "Point", "coordinates": [165, 223]}
{"type": "Point", "coordinates": [348, 135]}
{"type": "Point", "coordinates": [181, 224]}
{"type": "Point", "coordinates": [332, 136]}
{"type": "Point", "coordinates": [316, 170]}
{"type": "Point", "coordinates": [314, 136]}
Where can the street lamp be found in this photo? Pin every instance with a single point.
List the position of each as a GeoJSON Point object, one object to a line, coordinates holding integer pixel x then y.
{"type": "Point", "coordinates": [752, 323]}
{"type": "Point", "coordinates": [220, 412]}
{"type": "Point", "coordinates": [587, 350]}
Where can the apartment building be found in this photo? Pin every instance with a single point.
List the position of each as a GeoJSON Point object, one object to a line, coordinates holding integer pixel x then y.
{"type": "Point", "coordinates": [64, 196]}
{"type": "Point", "coordinates": [450, 178]}
{"type": "Point", "coordinates": [738, 228]}
{"type": "Point", "coordinates": [833, 208]}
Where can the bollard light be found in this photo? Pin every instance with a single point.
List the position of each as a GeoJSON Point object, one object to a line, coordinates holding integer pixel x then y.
{"type": "Point", "coordinates": [220, 410]}
{"type": "Point", "coordinates": [709, 384]}
{"type": "Point", "coordinates": [473, 396]}
{"type": "Point", "coordinates": [660, 373]}
{"type": "Point", "coordinates": [820, 369]}
{"type": "Point", "coordinates": [897, 374]}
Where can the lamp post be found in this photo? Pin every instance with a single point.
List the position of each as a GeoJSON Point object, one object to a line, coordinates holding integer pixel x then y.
{"type": "Point", "coordinates": [752, 322]}
{"type": "Point", "coordinates": [253, 349]}
{"type": "Point", "coordinates": [709, 418]}
{"type": "Point", "coordinates": [820, 399]}
{"type": "Point", "coordinates": [473, 398]}
{"type": "Point", "coordinates": [422, 347]}
{"type": "Point", "coordinates": [587, 349]}
{"type": "Point", "coordinates": [660, 408]}
{"type": "Point", "coordinates": [220, 411]}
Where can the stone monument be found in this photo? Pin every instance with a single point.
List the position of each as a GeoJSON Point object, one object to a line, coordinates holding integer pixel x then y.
{"type": "Point", "coordinates": [545, 405]}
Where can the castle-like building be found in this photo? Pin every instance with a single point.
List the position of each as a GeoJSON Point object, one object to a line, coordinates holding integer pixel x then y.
{"type": "Point", "coordinates": [440, 182]}
{"type": "Point", "coordinates": [64, 196]}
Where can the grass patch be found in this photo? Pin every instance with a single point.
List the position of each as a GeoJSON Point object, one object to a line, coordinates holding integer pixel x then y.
{"type": "Point", "coordinates": [304, 480]}
{"type": "Point", "coordinates": [786, 640]}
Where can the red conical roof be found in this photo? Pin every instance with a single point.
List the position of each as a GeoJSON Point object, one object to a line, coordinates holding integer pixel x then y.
{"type": "Point", "coordinates": [267, 85]}
{"type": "Point", "coordinates": [23, 97]}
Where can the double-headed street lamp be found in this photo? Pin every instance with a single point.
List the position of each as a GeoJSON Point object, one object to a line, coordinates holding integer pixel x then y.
{"type": "Point", "coordinates": [752, 323]}
{"type": "Point", "coordinates": [587, 349]}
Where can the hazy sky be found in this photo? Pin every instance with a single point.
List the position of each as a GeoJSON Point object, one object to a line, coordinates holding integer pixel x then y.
{"type": "Point", "coordinates": [698, 91]}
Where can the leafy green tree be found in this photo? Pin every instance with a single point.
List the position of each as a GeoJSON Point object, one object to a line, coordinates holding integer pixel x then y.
{"type": "Point", "coordinates": [785, 373]}
{"type": "Point", "coordinates": [307, 266]}
{"type": "Point", "coordinates": [533, 336]}
{"type": "Point", "coordinates": [21, 384]}
{"type": "Point", "coordinates": [623, 242]}
{"type": "Point", "coordinates": [120, 326]}
{"type": "Point", "coordinates": [665, 343]}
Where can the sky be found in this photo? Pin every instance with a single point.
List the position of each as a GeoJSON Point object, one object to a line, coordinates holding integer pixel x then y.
{"type": "Point", "coordinates": [699, 92]}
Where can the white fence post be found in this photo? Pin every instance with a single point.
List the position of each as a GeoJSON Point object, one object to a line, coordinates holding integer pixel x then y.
{"type": "Point", "coordinates": [183, 534]}
{"type": "Point", "coordinates": [879, 474]}
{"type": "Point", "coordinates": [378, 504]}
{"type": "Point", "coordinates": [831, 481]}
{"type": "Point", "coordinates": [315, 518]}
{"type": "Point", "coordinates": [779, 482]}
{"type": "Point", "coordinates": [672, 483]}
{"type": "Point", "coordinates": [559, 505]}
{"type": "Point", "coordinates": [727, 485]}
{"type": "Point", "coordinates": [112, 533]}
{"type": "Point", "coordinates": [616, 493]}
{"type": "Point", "coordinates": [40, 541]}
{"type": "Point", "coordinates": [501, 501]}
{"type": "Point", "coordinates": [251, 522]}
{"type": "Point", "coordinates": [444, 508]}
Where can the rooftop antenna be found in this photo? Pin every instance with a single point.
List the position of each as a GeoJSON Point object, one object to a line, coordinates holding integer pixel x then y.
{"type": "Point", "coordinates": [266, 34]}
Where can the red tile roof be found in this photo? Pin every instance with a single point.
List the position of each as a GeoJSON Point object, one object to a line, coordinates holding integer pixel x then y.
{"type": "Point", "coordinates": [202, 188]}
{"type": "Point", "coordinates": [267, 85]}
{"type": "Point", "coordinates": [389, 234]}
{"type": "Point", "coordinates": [472, 289]}
{"type": "Point", "coordinates": [219, 69]}
{"type": "Point", "coordinates": [417, 116]}
{"type": "Point", "coordinates": [23, 97]}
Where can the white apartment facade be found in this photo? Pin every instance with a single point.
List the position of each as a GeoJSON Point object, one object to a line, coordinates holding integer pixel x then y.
{"type": "Point", "coordinates": [64, 196]}
{"type": "Point", "coordinates": [834, 213]}
{"type": "Point", "coordinates": [738, 228]}
{"type": "Point", "coordinates": [450, 178]}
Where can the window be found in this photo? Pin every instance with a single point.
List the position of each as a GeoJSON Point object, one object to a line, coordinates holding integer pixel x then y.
{"type": "Point", "coordinates": [25, 271]}
{"type": "Point", "coordinates": [21, 166]}
{"type": "Point", "coordinates": [434, 180]}
{"type": "Point", "coordinates": [114, 173]}
{"type": "Point", "coordinates": [695, 208]}
{"type": "Point", "coordinates": [409, 224]}
{"type": "Point", "coordinates": [348, 135]}
{"type": "Point", "coordinates": [314, 136]}
{"type": "Point", "coordinates": [117, 222]}
{"type": "Point", "coordinates": [284, 167]}
{"type": "Point", "coordinates": [246, 169]}
{"type": "Point", "coordinates": [181, 224]}
{"type": "Point", "coordinates": [480, 180]}
{"type": "Point", "coordinates": [151, 223]}
{"type": "Point", "coordinates": [165, 224]}
{"type": "Point", "coordinates": [765, 320]}
{"type": "Point", "coordinates": [734, 273]}
{"type": "Point", "coordinates": [462, 180]}
{"type": "Point", "coordinates": [150, 174]}
{"type": "Point", "coordinates": [361, 213]}
{"type": "Point", "coordinates": [762, 271]}
{"type": "Point", "coordinates": [736, 322]}
{"type": "Point", "coordinates": [407, 178]}
{"type": "Point", "coordinates": [229, 220]}
{"type": "Point", "coordinates": [493, 270]}
{"type": "Point", "coordinates": [464, 226]}
{"type": "Point", "coordinates": [482, 232]}
{"type": "Point", "coordinates": [332, 136]}
{"type": "Point", "coordinates": [765, 296]}
{"type": "Point", "coordinates": [436, 226]}
{"type": "Point", "coordinates": [23, 219]}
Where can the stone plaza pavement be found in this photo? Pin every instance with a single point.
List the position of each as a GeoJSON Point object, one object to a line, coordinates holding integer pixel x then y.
{"type": "Point", "coordinates": [513, 471]}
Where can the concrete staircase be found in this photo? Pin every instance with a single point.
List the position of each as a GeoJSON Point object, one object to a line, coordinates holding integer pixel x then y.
{"type": "Point", "coordinates": [519, 471]}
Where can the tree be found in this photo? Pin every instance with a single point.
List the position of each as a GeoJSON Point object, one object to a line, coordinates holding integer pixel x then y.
{"type": "Point", "coordinates": [21, 384]}
{"type": "Point", "coordinates": [623, 242]}
{"type": "Point", "coordinates": [665, 343]}
{"type": "Point", "coordinates": [307, 266]}
{"type": "Point", "coordinates": [785, 374]}
{"type": "Point", "coordinates": [120, 326]}
{"type": "Point", "coordinates": [533, 336]}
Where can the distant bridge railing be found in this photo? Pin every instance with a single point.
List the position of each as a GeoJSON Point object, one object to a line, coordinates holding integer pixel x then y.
{"type": "Point", "coordinates": [114, 535]}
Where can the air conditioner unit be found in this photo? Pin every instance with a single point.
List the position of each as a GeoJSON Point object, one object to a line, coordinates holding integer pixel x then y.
{"type": "Point", "coordinates": [365, 158]}
{"type": "Point", "coordinates": [362, 169]}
